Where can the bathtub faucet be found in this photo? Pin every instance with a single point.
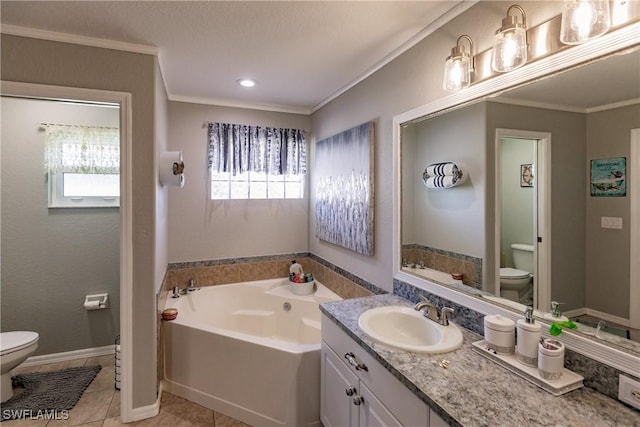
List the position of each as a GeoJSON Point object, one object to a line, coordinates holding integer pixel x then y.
{"type": "Point", "coordinates": [177, 291]}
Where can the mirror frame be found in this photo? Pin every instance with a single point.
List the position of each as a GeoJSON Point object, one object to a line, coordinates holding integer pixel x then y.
{"type": "Point", "coordinates": [570, 57]}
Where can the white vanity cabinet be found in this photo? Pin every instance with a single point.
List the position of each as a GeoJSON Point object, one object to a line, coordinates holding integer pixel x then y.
{"type": "Point", "coordinates": [357, 391]}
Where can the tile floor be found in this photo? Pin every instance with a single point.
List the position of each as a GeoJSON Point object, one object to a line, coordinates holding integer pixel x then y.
{"type": "Point", "coordinates": [100, 404]}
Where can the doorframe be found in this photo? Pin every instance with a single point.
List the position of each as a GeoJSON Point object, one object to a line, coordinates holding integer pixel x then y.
{"type": "Point", "coordinates": [633, 184]}
{"type": "Point", "coordinates": [123, 99]}
{"type": "Point", "coordinates": [542, 226]}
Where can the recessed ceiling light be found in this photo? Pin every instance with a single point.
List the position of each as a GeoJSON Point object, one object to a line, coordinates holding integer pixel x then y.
{"type": "Point", "coordinates": [247, 82]}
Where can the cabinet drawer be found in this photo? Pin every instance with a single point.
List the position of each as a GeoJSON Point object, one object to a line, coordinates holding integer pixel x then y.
{"type": "Point", "coordinates": [403, 404]}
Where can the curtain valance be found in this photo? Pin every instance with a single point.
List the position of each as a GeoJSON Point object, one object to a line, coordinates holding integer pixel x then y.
{"type": "Point", "coordinates": [82, 149]}
{"type": "Point", "coordinates": [240, 148]}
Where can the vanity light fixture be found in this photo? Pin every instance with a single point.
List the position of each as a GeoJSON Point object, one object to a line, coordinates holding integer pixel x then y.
{"type": "Point", "coordinates": [584, 20]}
{"type": "Point", "coordinates": [510, 42]}
{"type": "Point", "coordinates": [458, 67]}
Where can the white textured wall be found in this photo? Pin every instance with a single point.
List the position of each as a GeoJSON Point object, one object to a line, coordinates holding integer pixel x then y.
{"type": "Point", "coordinates": [52, 258]}
{"type": "Point", "coordinates": [204, 229]}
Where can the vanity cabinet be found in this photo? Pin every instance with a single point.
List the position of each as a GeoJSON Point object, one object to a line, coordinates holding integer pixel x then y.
{"type": "Point", "coordinates": [357, 391]}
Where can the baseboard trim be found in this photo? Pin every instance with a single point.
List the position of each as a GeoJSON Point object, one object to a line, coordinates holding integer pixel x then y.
{"type": "Point", "coordinates": [68, 355]}
{"type": "Point", "coordinates": [144, 412]}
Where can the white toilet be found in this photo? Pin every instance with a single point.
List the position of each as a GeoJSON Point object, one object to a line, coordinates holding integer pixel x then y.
{"type": "Point", "coordinates": [516, 284]}
{"type": "Point", "coordinates": [15, 347]}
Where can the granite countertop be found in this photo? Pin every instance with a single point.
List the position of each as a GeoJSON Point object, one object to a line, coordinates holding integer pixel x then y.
{"type": "Point", "coordinates": [473, 390]}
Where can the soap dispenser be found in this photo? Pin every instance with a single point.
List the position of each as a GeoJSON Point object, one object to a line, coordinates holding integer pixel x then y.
{"type": "Point", "coordinates": [528, 333]}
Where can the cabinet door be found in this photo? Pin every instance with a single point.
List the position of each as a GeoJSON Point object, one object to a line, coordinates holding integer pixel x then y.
{"type": "Point", "coordinates": [373, 413]}
{"type": "Point", "coordinates": [336, 407]}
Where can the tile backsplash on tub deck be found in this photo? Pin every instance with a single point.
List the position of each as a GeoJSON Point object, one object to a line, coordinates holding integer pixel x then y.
{"type": "Point", "coordinates": [235, 270]}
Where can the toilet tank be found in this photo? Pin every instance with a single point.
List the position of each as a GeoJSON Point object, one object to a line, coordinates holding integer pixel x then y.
{"type": "Point", "coordinates": [522, 256]}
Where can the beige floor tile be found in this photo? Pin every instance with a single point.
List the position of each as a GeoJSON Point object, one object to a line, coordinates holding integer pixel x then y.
{"type": "Point", "coordinates": [50, 367]}
{"type": "Point", "coordinates": [113, 422]}
{"type": "Point", "coordinates": [114, 407]}
{"type": "Point", "coordinates": [105, 380]}
{"type": "Point", "coordinates": [104, 361]}
{"type": "Point", "coordinates": [91, 407]}
{"type": "Point", "coordinates": [226, 421]}
{"type": "Point", "coordinates": [24, 423]}
{"type": "Point", "coordinates": [93, 424]}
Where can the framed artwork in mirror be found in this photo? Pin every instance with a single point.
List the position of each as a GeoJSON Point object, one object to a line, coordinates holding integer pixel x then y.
{"type": "Point", "coordinates": [608, 177]}
{"type": "Point", "coordinates": [526, 175]}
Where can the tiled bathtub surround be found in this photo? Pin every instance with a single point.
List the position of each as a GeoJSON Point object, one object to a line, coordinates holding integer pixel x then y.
{"type": "Point", "coordinates": [234, 270]}
{"type": "Point", "coordinates": [597, 376]}
{"type": "Point", "coordinates": [446, 261]}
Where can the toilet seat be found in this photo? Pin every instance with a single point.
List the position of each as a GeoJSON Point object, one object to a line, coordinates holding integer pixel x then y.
{"type": "Point", "coordinates": [11, 342]}
{"type": "Point", "coordinates": [513, 273]}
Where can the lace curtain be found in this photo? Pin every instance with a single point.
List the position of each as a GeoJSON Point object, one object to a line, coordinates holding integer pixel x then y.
{"type": "Point", "coordinates": [82, 149]}
{"type": "Point", "coordinates": [240, 148]}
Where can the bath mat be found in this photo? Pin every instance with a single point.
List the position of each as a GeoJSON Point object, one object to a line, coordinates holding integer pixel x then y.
{"type": "Point", "coordinates": [48, 391]}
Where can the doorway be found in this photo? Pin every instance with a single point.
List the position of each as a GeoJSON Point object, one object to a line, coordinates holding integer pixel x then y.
{"type": "Point", "coordinates": [123, 101]}
{"type": "Point", "coordinates": [523, 214]}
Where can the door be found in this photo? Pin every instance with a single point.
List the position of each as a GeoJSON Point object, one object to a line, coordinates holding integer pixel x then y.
{"type": "Point", "coordinates": [338, 387]}
{"type": "Point", "coordinates": [373, 413]}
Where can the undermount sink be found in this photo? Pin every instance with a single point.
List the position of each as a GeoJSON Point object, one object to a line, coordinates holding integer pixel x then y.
{"type": "Point", "coordinates": [407, 329]}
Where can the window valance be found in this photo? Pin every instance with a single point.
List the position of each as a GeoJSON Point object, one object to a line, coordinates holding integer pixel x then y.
{"type": "Point", "coordinates": [240, 148]}
{"type": "Point", "coordinates": [82, 149]}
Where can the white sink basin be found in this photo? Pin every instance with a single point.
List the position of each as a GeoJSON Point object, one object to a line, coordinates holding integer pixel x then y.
{"type": "Point", "coordinates": [407, 329]}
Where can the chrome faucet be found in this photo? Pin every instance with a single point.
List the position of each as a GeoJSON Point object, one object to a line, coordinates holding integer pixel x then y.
{"type": "Point", "coordinates": [431, 311]}
{"type": "Point", "coordinates": [191, 286]}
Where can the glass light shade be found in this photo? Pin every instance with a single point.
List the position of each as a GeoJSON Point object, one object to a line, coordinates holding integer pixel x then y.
{"type": "Point", "coordinates": [583, 20]}
{"type": "Point", "coordinates": [509, 49]}
{"type": "Point", "coordinates": [457, 73]}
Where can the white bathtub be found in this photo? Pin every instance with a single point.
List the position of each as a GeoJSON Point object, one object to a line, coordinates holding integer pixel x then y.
{"type": "Point", "coordinates": [237, 350]}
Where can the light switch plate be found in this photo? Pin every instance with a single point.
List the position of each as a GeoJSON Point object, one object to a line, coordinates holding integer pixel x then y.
{"type": "Point", "coordinates": [611, 222]}
{"type": "Point", "coordinates": [629, 391]}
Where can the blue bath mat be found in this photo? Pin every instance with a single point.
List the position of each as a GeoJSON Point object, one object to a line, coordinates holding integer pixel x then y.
{"type": "Point", "coordinates": [48, 392]}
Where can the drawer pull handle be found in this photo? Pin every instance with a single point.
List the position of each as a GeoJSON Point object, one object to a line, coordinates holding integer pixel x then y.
{"type": "Point", "coordinates": [350, 391]}
{"type": "Point", "coordinates": [358, 400]}
{"type": "Point", "coordinates": [351, 358]}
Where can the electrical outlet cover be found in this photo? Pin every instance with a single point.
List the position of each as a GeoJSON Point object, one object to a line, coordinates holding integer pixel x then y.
{"type": "Point", "coordinates": [629, 391]}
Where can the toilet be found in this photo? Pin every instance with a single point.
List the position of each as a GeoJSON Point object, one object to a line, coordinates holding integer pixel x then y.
{"type": "Point", "coordinates": [15, 347]}
{"type": "Point", "coordinates": [516, 284]}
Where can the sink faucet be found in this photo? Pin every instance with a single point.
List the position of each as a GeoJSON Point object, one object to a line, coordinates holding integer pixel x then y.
{"type": "Point", "coordinates": [431, 311]}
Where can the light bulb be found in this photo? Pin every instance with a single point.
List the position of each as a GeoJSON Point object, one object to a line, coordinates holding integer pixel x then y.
{"type": "Point", "coordinates": [584, 20]}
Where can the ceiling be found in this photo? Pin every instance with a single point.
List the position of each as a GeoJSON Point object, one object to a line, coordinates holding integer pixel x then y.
{"type": "Point", "coordinates": [301, 53]}
{"type": "Point", "coordinates": [591, 87]}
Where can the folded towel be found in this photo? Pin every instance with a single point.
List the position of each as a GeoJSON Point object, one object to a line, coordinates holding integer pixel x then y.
{"type": "Point", "coordinates": [442, 181]}
{"type": "Point", "coordinates": [441, 169]}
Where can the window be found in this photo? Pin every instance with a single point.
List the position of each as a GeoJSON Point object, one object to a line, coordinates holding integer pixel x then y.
{"type": "Point", "coordinates": [83, 166]}
{"type": "Point", "coordinates": [252, 162]}
{"type": "Point", "coordinates": [256, 185]}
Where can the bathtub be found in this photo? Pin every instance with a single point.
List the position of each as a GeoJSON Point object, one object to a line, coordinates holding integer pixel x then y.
{"type": "Point", "coordinates": [249, 350]}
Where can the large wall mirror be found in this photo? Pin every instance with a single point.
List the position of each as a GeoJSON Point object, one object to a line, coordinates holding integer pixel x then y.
{"type": "Point", "coordinates": [548, 154]}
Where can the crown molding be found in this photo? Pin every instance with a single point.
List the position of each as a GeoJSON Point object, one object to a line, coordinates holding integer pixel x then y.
{"type": "Point", "coordinates": [33, 33]}
{"type": "Point", "coordinates": [458, 9]}
{"type": "Point", "coordinates": [233, 103]}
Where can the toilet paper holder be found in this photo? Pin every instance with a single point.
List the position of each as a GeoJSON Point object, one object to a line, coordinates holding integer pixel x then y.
{"type": "Point", "coordinates": [171, 168]}
{"type": "Point", "coordinates": [96, 302]}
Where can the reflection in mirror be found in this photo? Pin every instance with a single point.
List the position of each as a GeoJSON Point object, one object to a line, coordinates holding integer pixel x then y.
{"type": "Point", "coordinates": [496, 220]}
